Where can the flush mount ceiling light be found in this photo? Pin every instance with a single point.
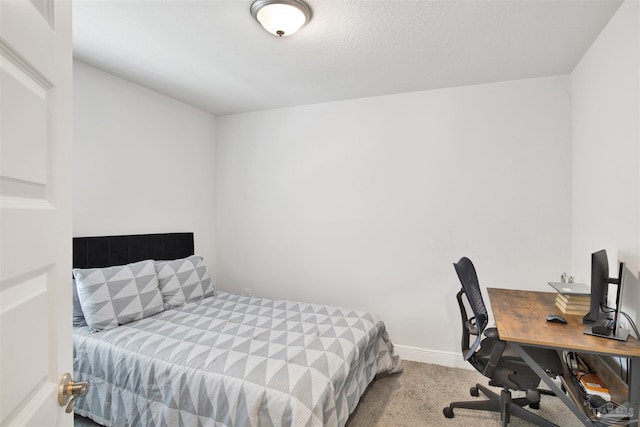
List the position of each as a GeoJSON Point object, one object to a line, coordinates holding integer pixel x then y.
{"type": "Point", "coordinates": [281, 17]}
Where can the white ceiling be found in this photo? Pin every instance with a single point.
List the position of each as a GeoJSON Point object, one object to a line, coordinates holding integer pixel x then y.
{"type": "Point", "coordinates": [215, 56]}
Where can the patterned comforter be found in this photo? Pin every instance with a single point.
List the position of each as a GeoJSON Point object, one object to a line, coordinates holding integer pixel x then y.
{"type": "Point", "coordinates": [232, 360]}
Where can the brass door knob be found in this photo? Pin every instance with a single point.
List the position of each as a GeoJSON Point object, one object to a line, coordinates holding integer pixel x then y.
{"type": "Point", "coordinates": [68, 391]}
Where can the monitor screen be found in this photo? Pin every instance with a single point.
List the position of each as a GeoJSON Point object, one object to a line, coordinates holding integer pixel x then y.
{"type": "Point", "coordinates": [599, 286]}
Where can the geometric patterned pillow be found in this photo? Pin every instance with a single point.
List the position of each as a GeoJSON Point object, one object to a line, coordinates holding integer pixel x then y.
{"type": "Point", "coordinates": [183, 280]}
{"type": "Point", "coordinates": [113, 296]}
{"type": "Point", "coordinates": [78, 314]}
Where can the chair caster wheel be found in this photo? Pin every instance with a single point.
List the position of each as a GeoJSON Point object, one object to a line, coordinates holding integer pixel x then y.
{"type": "Point", "coordinates": [448, 412]}
{"type": "Point", "coordinates": [534, 405]}
{"type": "Point", "coordinates": [474, 392]}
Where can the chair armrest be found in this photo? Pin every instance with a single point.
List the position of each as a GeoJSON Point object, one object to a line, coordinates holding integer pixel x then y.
{"type": "Point", "coordinates": [492, 333]}
{"type": "Point", "coordinates": [496, 352]}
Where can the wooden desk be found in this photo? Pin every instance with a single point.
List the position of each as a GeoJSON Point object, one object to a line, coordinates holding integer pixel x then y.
{"type": "Point", "coordinates": [520, 318]}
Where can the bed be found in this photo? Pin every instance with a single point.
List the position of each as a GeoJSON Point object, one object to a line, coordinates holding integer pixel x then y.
{"type": "Point", "coordinates": [203, 357]}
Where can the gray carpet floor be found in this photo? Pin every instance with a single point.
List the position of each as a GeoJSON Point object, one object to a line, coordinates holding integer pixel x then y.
{"type": "Point", "coordinates": [416, 397]}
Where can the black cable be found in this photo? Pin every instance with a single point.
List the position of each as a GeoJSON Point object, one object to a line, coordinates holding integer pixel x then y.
{"type": "Point", "coordinates": [568, 355]}
{"type": "Point", "coordinates": [608, 309]}
{"type": "Point", "coordinates": [631, 323]}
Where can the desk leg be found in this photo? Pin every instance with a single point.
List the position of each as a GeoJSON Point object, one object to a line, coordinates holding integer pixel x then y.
{"type": "Point", "coordinates": [634, 390]}
{"type": "Point", "coordinates": [569, 403]}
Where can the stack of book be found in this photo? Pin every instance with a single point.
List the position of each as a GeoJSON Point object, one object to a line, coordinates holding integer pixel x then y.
{"type": "Point", "coordinates": [592, 385]}
{"type": "Point", "coordinates": [573, 304]}
{"type": "Point", "coordinates": [572, 298]}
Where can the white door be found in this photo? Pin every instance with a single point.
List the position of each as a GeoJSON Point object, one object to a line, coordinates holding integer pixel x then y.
{"type": "Point", "coordinates": [35, 210]}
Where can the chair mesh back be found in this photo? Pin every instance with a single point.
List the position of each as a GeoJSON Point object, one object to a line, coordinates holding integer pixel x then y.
{"type": "Point", "coordinates": [469, 279]}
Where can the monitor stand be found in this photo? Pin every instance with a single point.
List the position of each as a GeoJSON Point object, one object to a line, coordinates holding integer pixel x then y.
{"type": "Point", "coordinates": [603, 330]}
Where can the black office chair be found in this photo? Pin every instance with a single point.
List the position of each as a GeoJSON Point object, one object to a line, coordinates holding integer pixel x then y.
{"type": "Point", "coordinates": [496, 360]}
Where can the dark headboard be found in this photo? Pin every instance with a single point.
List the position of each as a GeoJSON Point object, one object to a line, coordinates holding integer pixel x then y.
{"type": "Point", "coordinates": [105, 251]}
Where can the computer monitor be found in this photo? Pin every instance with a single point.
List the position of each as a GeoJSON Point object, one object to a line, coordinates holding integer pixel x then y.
{"type": "Point", "coordinates": [599, 311]}
{"type": "Point", "coordinates": [599, 286]}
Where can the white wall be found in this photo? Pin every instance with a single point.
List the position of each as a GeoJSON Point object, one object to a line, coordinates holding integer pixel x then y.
{"type": "Point", "coordinates": [143, 162]}
{"type": "Point", "coordinates": [605, 94]}
{"type": "Point", "coordinates": [367, 203]}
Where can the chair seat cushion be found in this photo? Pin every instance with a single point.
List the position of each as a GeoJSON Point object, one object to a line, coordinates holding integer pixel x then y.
{"type": "Point", "coordinates": [514, 372]}
{"type": "Point", "coordinates": [547, 358]}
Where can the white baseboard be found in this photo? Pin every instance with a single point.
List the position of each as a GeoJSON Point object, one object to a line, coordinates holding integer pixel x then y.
{"type": "Point", "coordinates": [444, 358]}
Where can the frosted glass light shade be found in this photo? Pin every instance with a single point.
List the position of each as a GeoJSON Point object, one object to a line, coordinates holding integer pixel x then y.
{"type": "Point", "coordinates": [281, 17]}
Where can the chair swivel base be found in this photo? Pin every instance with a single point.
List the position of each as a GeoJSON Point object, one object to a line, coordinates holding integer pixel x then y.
{"type": "Point", "coordinates": [502, 403]}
